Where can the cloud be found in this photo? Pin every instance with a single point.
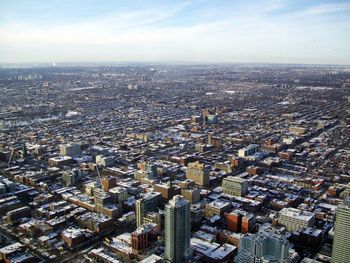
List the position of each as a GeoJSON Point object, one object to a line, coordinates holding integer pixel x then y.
{"type": "Point", "coordinates": [327, 9]}
{"type": "Point", "coordinates": [255, 32]}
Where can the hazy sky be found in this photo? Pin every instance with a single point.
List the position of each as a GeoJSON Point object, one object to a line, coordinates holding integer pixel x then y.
{"type": "Point", "coordinates": [286, 31]}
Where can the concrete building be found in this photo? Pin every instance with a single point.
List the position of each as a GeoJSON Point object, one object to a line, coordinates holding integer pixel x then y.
{"type": "Point", "coordinates": [104, 160]}
{"type": "Point", "coordinates": [295, 219]}
{"type": "Point", "coordinates": [146, 204]}
{"type": "Point", "coordinates": [118, 194]}
{"type": "Point", "coordinates": [235, 186]}
{"type": "Point", "coordinates": [193, 195]}
{"type": "Point", "coordinates": [217, 207]}
{"type": "Point", "coordinates": [167, 190]}
{"type": "Point", "coordinates": [70, 149]}
{"type": "Point", "coordinates": [198, 173]}
{"type": "Point", "coordinates": [263, 247]}
{"type": "Point", "coordinates": [249, 150]}
{"type": "Point", "coordinates": [341, 248]}
{"type": "Point", "coordinates": [177, 230]}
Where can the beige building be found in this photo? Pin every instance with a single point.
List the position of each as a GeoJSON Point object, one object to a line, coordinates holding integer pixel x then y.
{"type": "Point", "coordinates": [217, 207]}
{"type": "Point", "coordinates": [198, 173]}
{"type": "Point", "coordinates": [192, 195]}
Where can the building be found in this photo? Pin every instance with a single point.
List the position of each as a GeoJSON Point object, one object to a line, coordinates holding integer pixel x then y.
{"type": "Point", "coordinates": [146, 173]}
{"type": "Point", "coordinates": [104, 160]}
{"type": "Point", "coordinates": [148, 203]}
{"type": "Point", "coordinates": [235, 186]}
{"type": "Point", "coordinates": [16, 252]}
{"type": "Point", "coordinates": [167, 190]}
{"type": "Point", "coordinates": [143, 237]}
{"type": "Point", "coordinates": [240, 221]}
{"type": "Point", "coordinates": [341, 248]}
{"type": "Point", "coordinates": [101, 198]}
{"type": "Point", "coordinates": [108, 182]}
{"type": "Point", "coordinates": [212, 252]}
{"type": "Point", "coordinates": [153, 218]}
{"type": "Point", "coordinates": [215, 141]}
{"type": "Point", "coordinates": [70, 149]}
{"type": "Point", "coordinates": [249, 150]}
{"type": "Point", "coordinates": [295, 219]}
{"type": "Point", "coordinates": [198, 173]}
{"type": "Point", "coordinates": [263, 247]}
{"type": "Point", "coordinates": [70, 177]}
{"type": "Point", "coordinates": [17, 214]}
{"type": "Point", "coordinates": [193, 195]}
{"type": "Point", "coordinates": [217, 207]}
{"type": "Point", "coordinates": [177, 230]}
{"type": "Point", "coordinates": [118, 194]}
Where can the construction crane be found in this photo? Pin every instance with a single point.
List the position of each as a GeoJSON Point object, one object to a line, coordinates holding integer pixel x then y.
{"type": "Point", "coordinates": [99, 176]}
{"type": "Point", "coordinates": [10, 159]}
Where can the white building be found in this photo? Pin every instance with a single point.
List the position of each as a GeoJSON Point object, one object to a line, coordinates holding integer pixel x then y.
{"type": "Point", "coordinates": [295, 219]}
{"type": "Point", "coordinates": [249, 150]}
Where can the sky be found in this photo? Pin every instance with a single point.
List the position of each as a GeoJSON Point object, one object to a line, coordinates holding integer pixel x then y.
{"type": "Point", "coordinates": [230, 31]}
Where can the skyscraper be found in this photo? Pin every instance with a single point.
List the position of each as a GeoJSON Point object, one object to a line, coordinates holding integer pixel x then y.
{"type": "Point", "coordinates": [341, 248]}
{"type": "Point", "coordinates": [265, 246]}
{"type": "Point", "coordinates": [177, 230]}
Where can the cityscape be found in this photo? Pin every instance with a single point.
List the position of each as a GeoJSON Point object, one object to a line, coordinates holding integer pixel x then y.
{"type": "Point", "coordinates": [168, 131]}
{"type": "Point", "coordinates": [175, 163]}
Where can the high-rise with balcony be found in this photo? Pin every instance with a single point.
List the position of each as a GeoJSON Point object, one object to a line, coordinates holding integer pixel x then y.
{"type": "Point", "coordinates": [177, 230]}
{"type": "Point", "coordinates": [341, 248]}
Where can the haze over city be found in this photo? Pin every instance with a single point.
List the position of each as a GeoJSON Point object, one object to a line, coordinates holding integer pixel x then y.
{"type": "Point", "coordinates": [272, 31]}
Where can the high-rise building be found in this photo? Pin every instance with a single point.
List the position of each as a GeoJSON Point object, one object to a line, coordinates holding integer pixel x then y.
{"type": "Point", "coordinates": [235, 186]}
{"type": "Point", "coordinates": [198, 173]}
{"type": "Point", "coordinates": [341, 248]}
{"type": "Point", "coordinates": [266, 246]}
{"type": "Point", "coordinates": [177, 230]}
{"type": "Point", "coordinates": [148, 203]}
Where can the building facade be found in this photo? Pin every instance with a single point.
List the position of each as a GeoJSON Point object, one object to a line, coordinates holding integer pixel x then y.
{"type": "Point", "coordinates": [295, 219]}
{"type": "Point", "coordinates": [235, 186]}
{"type": "Point", "coordinates": [146, 204]}
{"type": "Point", "coordinates": [341, 248]}
{"type": "Point", "coordinates": [198, 173]}
{"type": "Point", "coordinates": [177, 230]}
{"type": "Point", "coordinates": [263, 247]}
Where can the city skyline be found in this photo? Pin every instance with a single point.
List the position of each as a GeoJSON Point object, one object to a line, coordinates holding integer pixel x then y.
{"type": "Point", "coordinates": [282, 31]}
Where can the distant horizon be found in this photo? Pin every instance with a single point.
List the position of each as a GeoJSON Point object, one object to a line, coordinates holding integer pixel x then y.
{"type": "Point", "coordinates": [191, 31]}
{"type": "Point", "coordinates": [48, 64]}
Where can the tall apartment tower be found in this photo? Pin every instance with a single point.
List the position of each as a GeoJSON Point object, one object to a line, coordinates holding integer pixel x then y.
{"type": "Point", "coordinates": [265, 246]}
{"type": "Point", "coordinates": [198, 173]}
{"type": "Point", "coordinates": [177, 230]}
{"type": "Point", "coordinates": [341, 248]}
